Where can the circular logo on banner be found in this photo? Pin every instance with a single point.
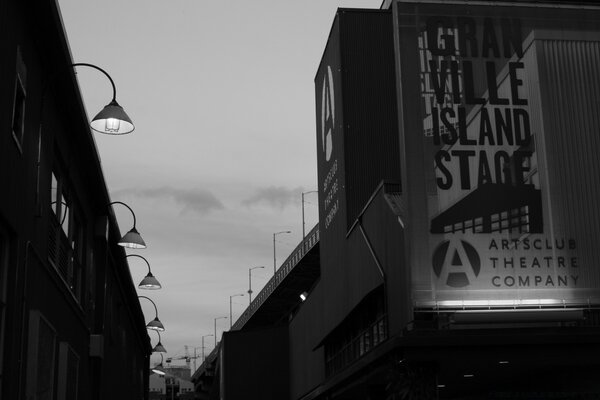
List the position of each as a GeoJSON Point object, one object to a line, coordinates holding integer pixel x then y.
{"type": "Point", "coordinates": [327, 114]}
{"type": "Point", "coordinates": [456, 263]}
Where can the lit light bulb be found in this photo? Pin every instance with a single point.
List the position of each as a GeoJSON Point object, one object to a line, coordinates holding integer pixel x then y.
{"type": "Point", "coordinates": [112, 125]}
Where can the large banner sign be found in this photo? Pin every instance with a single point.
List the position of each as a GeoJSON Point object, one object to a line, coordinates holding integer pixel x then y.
{"type": "Point", "coordinates": [502, 207]}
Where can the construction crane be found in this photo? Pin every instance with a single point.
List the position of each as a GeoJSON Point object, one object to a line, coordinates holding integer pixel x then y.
{"type": "Point", "coordinates": [186, 357]}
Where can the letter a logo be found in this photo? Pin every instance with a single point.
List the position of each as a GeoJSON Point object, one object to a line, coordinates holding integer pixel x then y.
{"type": "Point", "coordinates": [327, 114]}
{"type": "Point", "coordinates": [456, 263]}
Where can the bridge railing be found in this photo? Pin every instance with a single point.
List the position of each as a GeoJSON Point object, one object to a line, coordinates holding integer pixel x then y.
{"type": "Point", "coordinates": [312, 238]}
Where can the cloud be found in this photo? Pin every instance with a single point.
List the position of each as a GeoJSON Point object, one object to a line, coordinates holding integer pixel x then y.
{"type": "Point", "coordinates": [276, 196]}
{"type": "Point", "coordinates": [200, 201]}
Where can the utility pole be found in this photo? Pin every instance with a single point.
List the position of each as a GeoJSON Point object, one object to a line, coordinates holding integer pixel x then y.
{"type": "Point", "coordinates": [303, 224]}
{"type": "Point", "coordinates": [203, 356]}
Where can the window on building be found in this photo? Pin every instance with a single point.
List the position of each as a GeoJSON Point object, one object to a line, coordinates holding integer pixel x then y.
{"type": "Point", "coordinates": [19, 97]}
{"type": "Point", "coordinates": [41, 355]}
{"type": "Point", "coordinates": [363, 329]}
{"type": "Point", "coordinates": [3, 279]}
{"type": "Point", "coordinates": [77, 249]}
{"type": "Point", "coordinates": [66, 236]}
{"type": "Point", "coordinates": [68, 373]}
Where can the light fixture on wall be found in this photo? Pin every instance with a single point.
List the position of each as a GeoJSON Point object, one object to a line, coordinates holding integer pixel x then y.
{"type": "Point", "coordinates": [112, 119]}
{"type": "Point", "coordinates": [132, 239]}
{"type": "Point", "coordinates": [159, 348]}
{"type": "Point", "coordinates": [159, 369]}
{"type": "Point", "coordinates": [149, 282]}
{"type": "Point", "coordinates": [303, 296]}
{"type": "Point", "coordinates": [155, 324]}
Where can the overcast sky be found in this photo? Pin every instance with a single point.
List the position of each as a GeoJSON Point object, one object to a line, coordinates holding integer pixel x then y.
{"type": "Point", "coordinates": [222, 97]}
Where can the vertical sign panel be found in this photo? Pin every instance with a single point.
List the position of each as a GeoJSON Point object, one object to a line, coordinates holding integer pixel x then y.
{"type": "Point", "coordinates": [500, 152]}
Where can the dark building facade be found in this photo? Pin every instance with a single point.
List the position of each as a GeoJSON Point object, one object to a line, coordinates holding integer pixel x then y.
{"type": "Point", "coordinates": [457, 258]}
{"type": "Point", "coordinates": [71, 326]}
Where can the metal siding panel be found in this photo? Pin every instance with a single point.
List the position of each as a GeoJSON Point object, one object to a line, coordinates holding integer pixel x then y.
{"type": "Point", "coordinates": [386, 235]}
{"type": "Point", "coordinates": [307, 366]}
{"type": "Point", "coordinates": [365, 145]}
{"type": "Point", "coordinates": [331, 172]}
{"type": "Point", "coordinates": [571, 94]}
{"type": "Point", "coordinates": [359, 53]}
{"type": "Point", "coordinates": [370, 123]}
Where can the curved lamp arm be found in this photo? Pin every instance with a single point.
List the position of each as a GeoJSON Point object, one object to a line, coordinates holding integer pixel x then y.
{"type": "Point", "coordinates": [154, 304]}
{"type": "Point", "coordinates": [101, 70]}
{"type": "Point", "coordinates": [159, 348]}
{"type": "Point", "coordinates": [132, 239]}
{"type": "Point", "coordinates": [112, 119]}
{"type": "Point", "coordinates": [149, 282]}
{"type": "Point", "coordinates": [137, 255]}
{"type": "Point", "coordinates": [159, 369]}
{"type": "Point", "coordinates": [155, 324]}
{"type": "Point", "coordinates": [132, 213]}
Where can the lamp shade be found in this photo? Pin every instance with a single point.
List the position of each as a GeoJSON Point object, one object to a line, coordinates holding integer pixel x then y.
{"type": "Point", "coordinates": [155, 325]}
{"type": "Point", "coordinates": [149, 282]}
{"type": "Point", "coordinates": [112, 120]}
{"type": "Point", "coordinates": [132, 240]}
{"type": "Point", "coordinates": [159, 348]}
{"type": "Point", "coordinates": [158, 370]}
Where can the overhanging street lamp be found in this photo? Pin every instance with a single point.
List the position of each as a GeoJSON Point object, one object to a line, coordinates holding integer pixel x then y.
{"type": "Point", "coordinates": [112, 119]}
{"type": "Point", "coordinates": [216, 328]}
{"type": "Point", "coordinates": [159, 369]}
{"type": "Point", "coordinates": [155, 324]}
{"type": "Point", "coordinates": [132, 239]}
{"type": "Point", "coordinates": [274, 256]}
{"type": "Point", "coordinates": [159, 348]}
{"type": "Point", "coordinates": [250, 283]}
{"type": "Point", "coordinates": [230, 310]}
{"type": "Point", "coordinates": [149, 282]}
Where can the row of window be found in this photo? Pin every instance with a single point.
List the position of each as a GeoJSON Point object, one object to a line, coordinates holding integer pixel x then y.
{"type": "Point", "coordinates": [66, 229]}
{"type": "Point", "coordinates": [66, 236]}
{"type": "Point", "coordinates": [53, 366]}
{"type": "Point", "coordinates": [19, 97]}
{"type": "Point", "coordinates": [356, 347]}
{"type": "Point", "coordinates": [364, 329]}
{"type": "Point", "coordinates": [3, 298]}
{"type": "Point", "coordinates": [50, 362]}
{"type": "Point", "coordinates": [515, 220]}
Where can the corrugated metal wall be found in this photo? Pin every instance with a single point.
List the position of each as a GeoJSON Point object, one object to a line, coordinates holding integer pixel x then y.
{"type": "Point", "coordinates": [371, 142]}
{"type": "Point", "coordinates": [570, 95]}
{"type": "Point", "coordinates": [355, 103]}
